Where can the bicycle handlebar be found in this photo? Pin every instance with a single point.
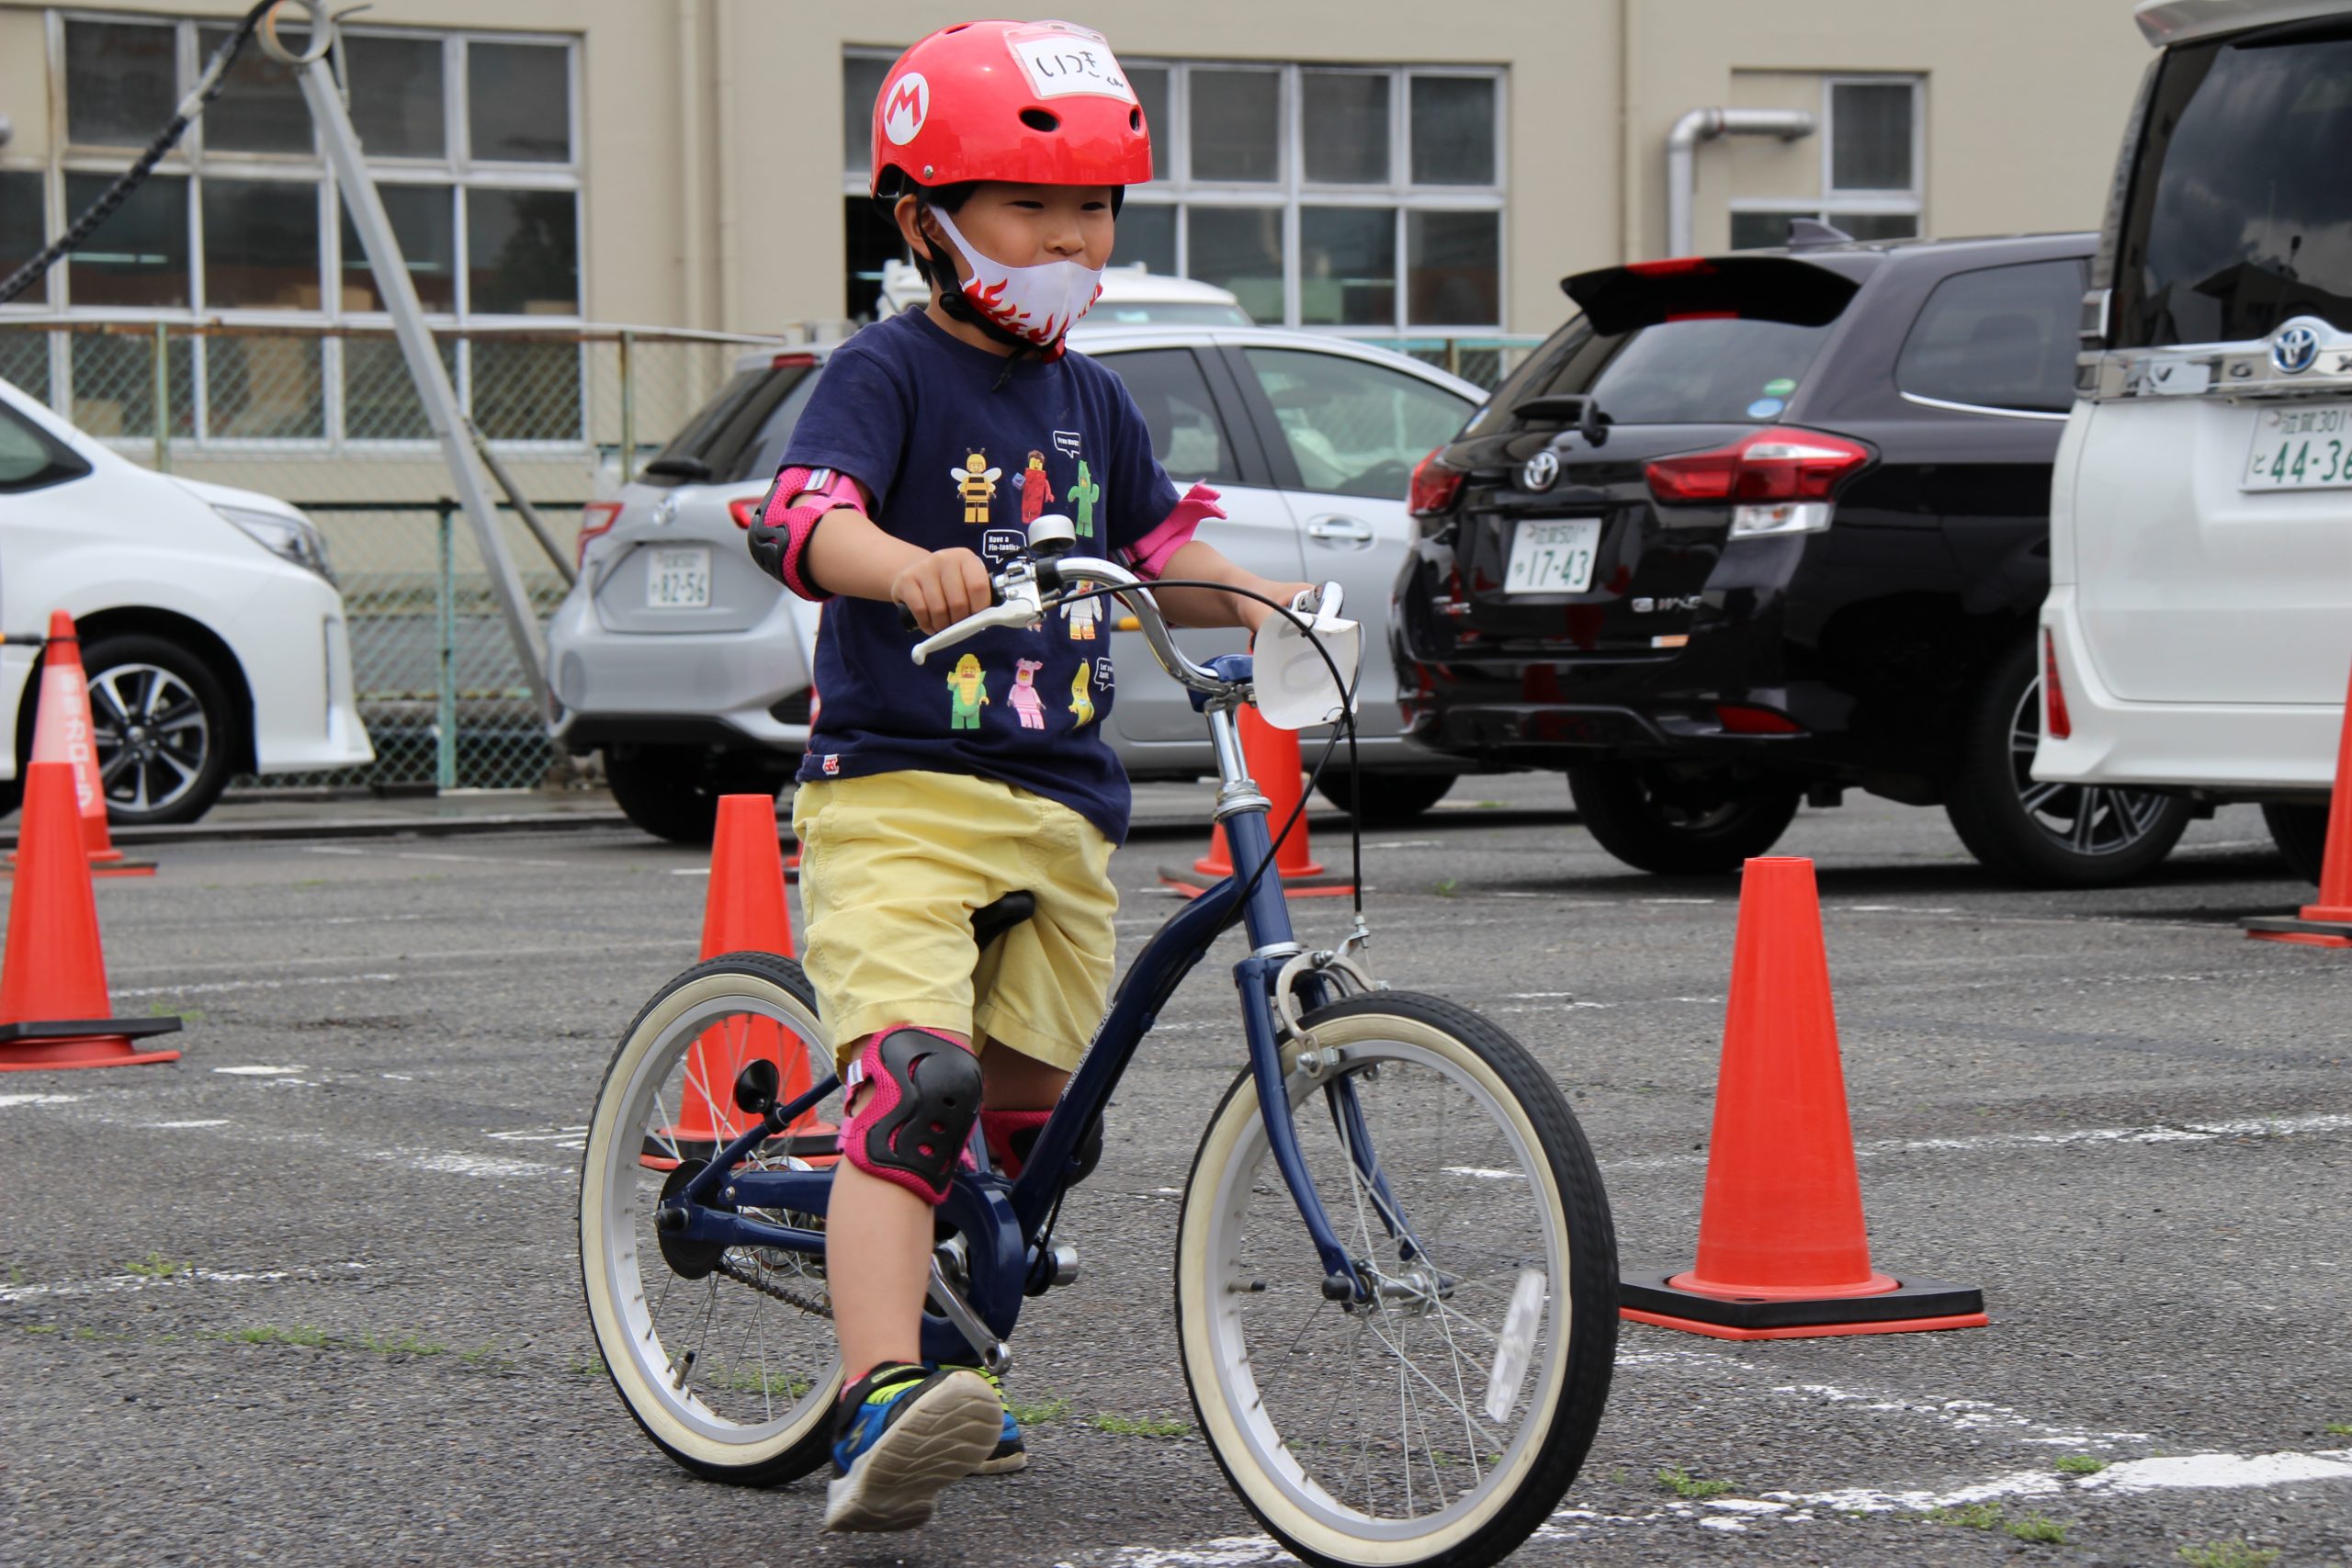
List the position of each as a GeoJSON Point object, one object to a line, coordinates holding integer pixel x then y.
{"type": "Point", "coordinates": [1027, 588]}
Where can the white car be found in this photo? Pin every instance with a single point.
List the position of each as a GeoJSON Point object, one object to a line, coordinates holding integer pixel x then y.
{"type": "Point", "coordinates": [2199, 617]}
{"type": "Point", "coordinates": [688, 666]}
{"type": "Point", "coordinates": [1132, 296]}
{"type": "Point", "coordinates": [211, 631]}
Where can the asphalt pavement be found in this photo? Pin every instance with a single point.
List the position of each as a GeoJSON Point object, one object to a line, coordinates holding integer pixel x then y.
{"type": "Point", "coordinates": [311, 1294]}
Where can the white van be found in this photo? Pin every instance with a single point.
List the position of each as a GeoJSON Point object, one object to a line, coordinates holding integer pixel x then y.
{"type": "Point", "coordinates": [2200, 618]}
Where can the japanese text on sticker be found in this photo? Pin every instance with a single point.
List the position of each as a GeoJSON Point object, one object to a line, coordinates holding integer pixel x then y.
{"type": "Point", "coordinates": [1062, 63]}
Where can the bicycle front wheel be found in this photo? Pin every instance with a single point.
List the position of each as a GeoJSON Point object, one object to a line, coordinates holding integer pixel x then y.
{"type": "Point", "coordinates": [724, 1355]}
{"type": "Point", "coordinates": [1441, 1421]}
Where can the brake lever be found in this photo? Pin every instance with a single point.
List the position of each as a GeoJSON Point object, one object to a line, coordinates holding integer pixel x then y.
{"type": "Point", "coordinates": [1021, 606]}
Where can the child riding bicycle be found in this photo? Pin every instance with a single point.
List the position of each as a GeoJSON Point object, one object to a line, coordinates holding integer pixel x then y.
{"type": "Point", "coordinates": [1002, 149]}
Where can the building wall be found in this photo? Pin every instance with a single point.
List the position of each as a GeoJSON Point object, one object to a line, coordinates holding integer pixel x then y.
{"type": "Point", "coordinates": [712, 128]}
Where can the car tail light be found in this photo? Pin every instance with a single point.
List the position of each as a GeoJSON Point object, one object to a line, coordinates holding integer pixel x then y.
{"type": "Point", "coordinates": [745, 509]}
{"type": "Point", "coordinates": [1755, 721]}
{"type": "Point", "coordinates": [595, 518]}
{"type": "Point", "coordinates": [788, 361]}
{"type": "Point", "coordinates": [2054, 722]}
{"type": "Point", "coordinates": [1435, 486]}
{"type": "Point", "coordinates": [1780, 479]}
{"type": "Point", "coordinates": [1670, 266]}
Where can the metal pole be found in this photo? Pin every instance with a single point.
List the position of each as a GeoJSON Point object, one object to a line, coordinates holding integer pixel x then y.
{"type": "Point", "coordinates": [162, 399]}
{"type": "Point", "coordinates": [445, 605]}
{"type": "Point", "coordinates": [629, 408]}
{"type": "Point", "coordinates": [433, 387]}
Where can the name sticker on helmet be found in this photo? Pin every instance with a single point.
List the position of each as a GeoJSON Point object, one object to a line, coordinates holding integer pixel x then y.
{"type": "Point", "coordinates": [906, 104]}
{"type": "Point", "coordinates": [1060, 64]}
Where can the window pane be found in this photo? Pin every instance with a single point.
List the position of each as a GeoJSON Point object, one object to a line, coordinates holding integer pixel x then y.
{"type": "Point", "coordinates": [861, 85]}
{"type": "Point", "coordinates": [1870, 131]}
{"type": "Point", "coordinates": [1237, 128]}
{"type": "Point", "coordinates": [264, 388]}
{"type": "Point", "coordinates": [1147, 234]}
{"type": "Point", "coordinates": [261, 244]}
{"type": "Point", "coordinates": [30, 457]}
{"type": "Point", "coordinates": [1150, 82]}
{"type": "Point", "coordinates": [1455, 262]}
{"type": "Point", "coordinates": [1453, 131]}
{"type": "Point", "coordinates": [379, 400]}
{"type": "Point", "coordinates": [1354, 428]}
{"type": "Point", "coordinates": [1186, 435]}
{"type": "Point", "coordinates": [139, 256]}
{"type": "Point", "coordinates": [1347, 266]}
{"type": "Point", "coordinates": [518, 101]}
{"type": "Point", "coordinates": [527, 391]}
{"type": "Point", "coordinates": [114, 385]}
{"type": "Point", "coordinates": [23, 230]}
{"type": "Point", "coordinates": [2003, 337]}
{"type": "Point", "coordinates": [1239, 248]}
{"type": "Point", "coordinates": [522, 252]}
{"type": "Point", "coordinates": [396, 95]}
{"type": "Point", "coordinates": [424, 223]}
{"type": "Point", "coordinates": [870, 240]}
{"type": "Point", "coordinates": [1345, 132]}
{"type": "Point", "coordinates": [1876, 225]}
{"type": "Point", "coordinates": [1760, 230]}
{"type": "Point", "coordinates": [260, 109]}
{"type": "Point", "coordinates": [122, 82]}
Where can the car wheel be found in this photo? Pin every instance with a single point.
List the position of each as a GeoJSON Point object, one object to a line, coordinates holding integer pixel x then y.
{"type": "Point", "coordinates": [668, 791]}
{"type": "Point", "coordinates": [2048, 835]}
{"type": "Point", "coordinates": [2300, 833]}
{"type": "Point", "coordinates": [160, 724]}
{"type": "Point", "coordinates": [1388, 800]}
{"type": "Point", "coordinates": [1658, 819]}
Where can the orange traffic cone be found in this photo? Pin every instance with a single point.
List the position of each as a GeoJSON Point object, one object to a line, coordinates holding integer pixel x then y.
{"type": "Point", "coordinates": [2327, 923]}
{"type": "Point", "coordinates": [63, 733]}
{"type": "Point", "coordinates": [1782, 1254]}
{"type": "Point", "coordinates": [1272, 756]}
{"type": "Point", "coordinates": [745, 910]}
{"type": "Point", "coordinates": [54, 977]}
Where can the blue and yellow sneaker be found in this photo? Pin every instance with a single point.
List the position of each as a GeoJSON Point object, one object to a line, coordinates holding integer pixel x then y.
{"type": "Point", "coordinates": [901, 1434]}
{"type": "Point", "coordinates": [1011, 1454]}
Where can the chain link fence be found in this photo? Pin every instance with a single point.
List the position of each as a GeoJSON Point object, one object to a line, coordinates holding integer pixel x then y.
{"type": "Point", "coordinates": [1486, 360]}
{"type": "Point", "coordinates": [327, 418]}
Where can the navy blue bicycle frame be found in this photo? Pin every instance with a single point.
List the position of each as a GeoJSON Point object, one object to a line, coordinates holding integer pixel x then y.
{"type": "Point", "coordinates": [1003, 1223]}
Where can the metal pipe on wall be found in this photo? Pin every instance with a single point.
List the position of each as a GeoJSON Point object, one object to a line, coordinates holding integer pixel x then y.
{"type": "Point", "coordinates": [695, 293]}
{"type": "Point", "coordinates": [1705, 125]}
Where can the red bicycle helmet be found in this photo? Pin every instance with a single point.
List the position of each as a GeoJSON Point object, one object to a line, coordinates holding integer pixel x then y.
{"type": "Point", "coordinates": [1039, 103]}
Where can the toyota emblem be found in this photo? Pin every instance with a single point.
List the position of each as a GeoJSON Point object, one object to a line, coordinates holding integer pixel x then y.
{"type": "Point", "coordinates": [665, 512]}
{"type": "Point", "coordinates": [1544, 468]}
{"type": "Point", "coordinates": [2295, 349]}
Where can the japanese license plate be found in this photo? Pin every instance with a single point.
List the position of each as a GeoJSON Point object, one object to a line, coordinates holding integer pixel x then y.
{"type": "Point", "coordinates": [2301, 446]}
{"type": "Point", "coordinates": [1553, 557]}
{"type": "Point", "coordinates": [677, 579]}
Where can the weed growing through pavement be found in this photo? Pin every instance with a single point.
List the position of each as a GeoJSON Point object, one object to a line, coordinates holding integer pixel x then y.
{"type": "Point", "coordinates": [155, 1266]}
{"type": "Point", "coordinates": [2039, 1527]}
{"type": "Point", "coordinates": [2334, 1428]}
{"type": "Point", "coordinates": [1037, 1413]}
{"type": "Point", "coordinates": [756, 1382]}
{"type": "Point", "coordinates": [1968, 1515]}
{"type": "Point", "coordinates": [165, 1010]}
{"type": "Point", "coordinates": [2081, 1464]}
{"type": "Point", "coordinates": [1682, 1484]}
{"type": "Point", "coordinates": [40, 1328]}
{"type": "Point", "coordinates": [1139, 1426]}
{"type": "Point", "coordinates": [590, 1367]}
{"type": "Point", "coordinates": [308, 1338]}
{"type": "Point", "coordinates": [1447, 888]}
{"type": "Point", "coordinates": [2228, 1554]}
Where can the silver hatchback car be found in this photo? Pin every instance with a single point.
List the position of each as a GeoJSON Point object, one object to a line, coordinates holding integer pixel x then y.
{"type": "Point", "coordinates": [689, 668]}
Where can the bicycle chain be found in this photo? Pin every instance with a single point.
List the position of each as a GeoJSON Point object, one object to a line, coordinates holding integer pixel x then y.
{"type": "Point", "coordinates": [784, 1293]}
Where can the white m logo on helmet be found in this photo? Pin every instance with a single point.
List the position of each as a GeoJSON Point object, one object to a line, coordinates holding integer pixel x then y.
{"type": "Point", "coordinates": [906, 103]}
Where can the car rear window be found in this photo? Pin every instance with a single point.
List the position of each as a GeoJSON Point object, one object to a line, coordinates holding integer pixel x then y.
{"type": "Point", "coordinates": [1690, 343]}
{"type": "Point", "coordinates": [1999, 337]}
{"type": "Point", "coordinates": [740, 434]}
{"type": "Point", "coordinates": [2240, 215]}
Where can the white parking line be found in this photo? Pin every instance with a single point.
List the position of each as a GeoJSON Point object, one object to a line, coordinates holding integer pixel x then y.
{"type": "Point", "coordinates": [2177, 1133]}
{"type": "Point", "coordinates": [208, 988]}
{"type": "Point", "coordinates": [431, 855]}
{"type": "Point", "coordinates": [262, 1072]}
{"type": "Point", "coordinates": [9, 1100]}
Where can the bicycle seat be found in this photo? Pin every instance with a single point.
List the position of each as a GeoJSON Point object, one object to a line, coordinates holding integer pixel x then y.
{"type": "Point", "coordinates": [991, 921]}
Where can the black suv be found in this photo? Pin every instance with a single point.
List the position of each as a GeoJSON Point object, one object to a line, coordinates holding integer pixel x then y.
{"type": "Point", "coordinates": [1755, 528]}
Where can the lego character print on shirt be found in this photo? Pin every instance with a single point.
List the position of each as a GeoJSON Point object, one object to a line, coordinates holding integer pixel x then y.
{"type": "Point", "coordinates": [1026, 699]}
{"type": "Point", "coordinates": [1081, 614]}
{"type": "Point", "coordinates": [1083, 496]}
{"type": "Point", "coordinates": [1034, 487]}
{"type": "Point", "coordinates": [1079, 702]}
{"type": "Point", "coordinates": [975, 486]}
{"type": "Point", "coordinates": [967, 693]}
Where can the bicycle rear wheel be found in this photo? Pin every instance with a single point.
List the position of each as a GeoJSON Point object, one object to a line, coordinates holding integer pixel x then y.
{"type": "Point", "coordinates": [1441, 1421]}
{"type": "Point", "coordinates": [724, 1356]}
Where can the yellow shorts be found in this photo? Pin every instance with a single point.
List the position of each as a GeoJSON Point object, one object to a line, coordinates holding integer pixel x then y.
{"type": "Point", "coordinates": [891, 868]}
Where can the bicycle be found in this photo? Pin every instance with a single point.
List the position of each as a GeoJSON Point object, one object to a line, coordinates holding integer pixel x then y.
{"type": "Point", "coordinates": [1396, 1318]}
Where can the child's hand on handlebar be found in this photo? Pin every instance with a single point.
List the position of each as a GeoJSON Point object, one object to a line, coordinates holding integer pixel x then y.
{"type": "Point", "coordinates": [942, 588]}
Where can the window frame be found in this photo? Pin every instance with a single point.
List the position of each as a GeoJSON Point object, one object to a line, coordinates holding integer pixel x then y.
{"type": "Point", "coordinates": [1293, 191]}
{"type": "Point", "coordinates": [456, 172]}
{"type": "Point", "coordinates": [1833, 202]}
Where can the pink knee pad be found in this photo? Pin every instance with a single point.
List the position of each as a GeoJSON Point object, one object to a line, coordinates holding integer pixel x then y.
{"type": "Point", "coordinates": [910, 1127]}
{"type": "Point", "coordinates": [1011, 1135]}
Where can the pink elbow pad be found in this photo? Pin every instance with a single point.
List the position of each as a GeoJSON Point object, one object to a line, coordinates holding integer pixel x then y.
{"type": "Point", "coordinates": [796, 503]}
{"type": "Point", "coordinates": [1148, 555]}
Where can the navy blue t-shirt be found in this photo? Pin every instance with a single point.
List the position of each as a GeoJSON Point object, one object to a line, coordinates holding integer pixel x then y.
{"type": "Point", "coordinates": [953, 458]}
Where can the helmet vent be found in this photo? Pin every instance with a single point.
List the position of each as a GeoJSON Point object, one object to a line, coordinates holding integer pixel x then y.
{"type": "Point", "coordinates": [1135, 120]}
{"type": "Point", "coordinates": [1040, 119]}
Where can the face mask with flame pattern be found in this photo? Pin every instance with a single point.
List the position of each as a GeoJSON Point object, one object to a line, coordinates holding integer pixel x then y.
{"type": "Point", "coordinates": [1036, 304]}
